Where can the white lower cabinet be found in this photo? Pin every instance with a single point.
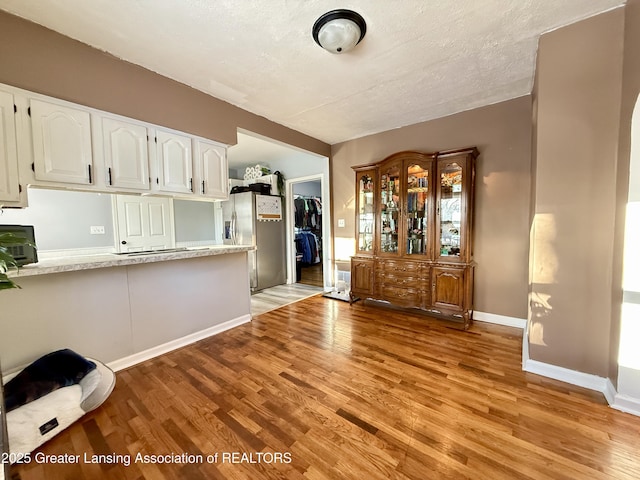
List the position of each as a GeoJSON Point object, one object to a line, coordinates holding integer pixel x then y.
{"type": "Point", "coordinates": [144, 223]}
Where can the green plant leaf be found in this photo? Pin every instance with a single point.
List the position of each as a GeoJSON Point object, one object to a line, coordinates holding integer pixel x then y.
{"type": "Point", "coordinates": [12, 240]}
{"type": "Point", "coordinates": [7, 262]}
{"type": "Point", "coordinates": [6, 283]}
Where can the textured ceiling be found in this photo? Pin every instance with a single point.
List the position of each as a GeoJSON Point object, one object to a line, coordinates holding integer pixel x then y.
{"type": "Point", "coordinates": [419, 59]}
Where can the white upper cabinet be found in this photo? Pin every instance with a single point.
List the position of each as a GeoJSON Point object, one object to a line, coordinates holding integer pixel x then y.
{"type": "Point", "coordinates": [211, 160]}
{"type": "Point", "coordinates": [49, 142]}
{"type": "Point", "coordinates": [174, 162]}
{"type": "Point", "coordinates": [9, 182]}
{"type": "Point", "coordinates": [126, 154]}
{"type": "Point", "coordinates": [61, 143]}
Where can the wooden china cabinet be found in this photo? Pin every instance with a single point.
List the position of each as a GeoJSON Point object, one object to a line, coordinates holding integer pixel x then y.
{"type": "Point", "coordinates": [414, 233]}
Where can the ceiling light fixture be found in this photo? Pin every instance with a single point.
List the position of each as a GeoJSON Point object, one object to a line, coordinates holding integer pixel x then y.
{"type": "Point", "coordinates": [338, 31]}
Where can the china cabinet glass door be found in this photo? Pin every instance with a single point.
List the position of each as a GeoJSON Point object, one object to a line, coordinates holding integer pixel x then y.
{"type": "Point", "coordinates": [450, 209]}
{"type": "Point", "coordinates": [417, 208]}
{"type": "Point", "coordinates": [389, 208]}
{"type": "Point", "coordinates": [365, 218]}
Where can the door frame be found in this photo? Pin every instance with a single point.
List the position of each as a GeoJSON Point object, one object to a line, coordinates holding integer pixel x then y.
{"type": "Point", "coordinates": [327, 250]}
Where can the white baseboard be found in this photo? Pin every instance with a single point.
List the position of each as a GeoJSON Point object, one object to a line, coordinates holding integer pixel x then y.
{"type": "Point", "coordinates": [610, 392]}
{"type": "Point", "coordinates": [615, 400]}
{"type": "Point", "coordinates": [627, 404]}
{"type": "Point", "coordinates": [586, 380]}
{"type": "Point", "coordinates": [499, 319]}
{"type": "Point", "coordinates": [139, 357]}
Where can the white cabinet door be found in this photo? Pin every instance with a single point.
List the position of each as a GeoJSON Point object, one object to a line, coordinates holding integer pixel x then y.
{"type": "Point", "coordinates": [126, 154]}
{"type": "Point", "coordinates": [61, 143]}
{"type": "Point", "coordinates": [211, 159]}
{"type": "Point", "coordinates": [175, 162]}
{"type": "Point", "coordinates": [9, 183]}
{"type": "Point", "coordinates": [144, 223]}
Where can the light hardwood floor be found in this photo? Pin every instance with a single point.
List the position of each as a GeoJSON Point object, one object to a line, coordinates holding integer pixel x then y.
{"type": "Point", "coordinates": [280, 295]}
{"type": "Point", "coordinates": [350, 392]}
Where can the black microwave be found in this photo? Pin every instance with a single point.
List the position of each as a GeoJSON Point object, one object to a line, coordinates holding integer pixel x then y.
{"type": "Point", "coordinates": [23, 254]}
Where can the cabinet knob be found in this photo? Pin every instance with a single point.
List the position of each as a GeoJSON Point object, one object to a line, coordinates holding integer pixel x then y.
{"type": "Point", "coordinates": [123, 242]}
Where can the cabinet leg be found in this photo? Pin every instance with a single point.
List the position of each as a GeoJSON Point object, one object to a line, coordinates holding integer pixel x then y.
{"type": "Point", "coordinates": [467, 320]}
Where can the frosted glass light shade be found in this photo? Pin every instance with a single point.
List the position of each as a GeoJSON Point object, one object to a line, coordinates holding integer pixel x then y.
{"type": "Point", "coordinates": [339, 31]}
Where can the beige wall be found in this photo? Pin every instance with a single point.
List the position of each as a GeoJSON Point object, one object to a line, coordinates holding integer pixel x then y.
{"type": "Point", "coordinates": [578, 88]}
{"type": "Point", "coordinates": [502, 133]}
{"type": "Point", "coordinates": [42, 61]}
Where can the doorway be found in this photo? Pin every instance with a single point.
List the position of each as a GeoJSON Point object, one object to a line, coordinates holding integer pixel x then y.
{"type": "Point", "coordinates": [307, 205]}
{"type": "Point", "coordinates": [308, 233]}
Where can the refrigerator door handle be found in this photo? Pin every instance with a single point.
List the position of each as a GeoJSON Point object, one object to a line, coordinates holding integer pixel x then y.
{"type": "Point", "coordinates": [234, 233]}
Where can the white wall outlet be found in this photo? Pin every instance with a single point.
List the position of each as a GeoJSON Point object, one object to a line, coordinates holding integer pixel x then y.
{"type": "Point", "coordinates": [341, 222]}
{"type": "Point", "coordinates": [96, 229]}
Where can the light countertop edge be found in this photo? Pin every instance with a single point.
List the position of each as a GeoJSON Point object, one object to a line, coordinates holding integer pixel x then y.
{"type": "Point", "coordinates": [89, 262]}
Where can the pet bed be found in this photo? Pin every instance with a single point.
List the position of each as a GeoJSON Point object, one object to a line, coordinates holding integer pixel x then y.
{"type": "Point", "coordinates": [51, 394]}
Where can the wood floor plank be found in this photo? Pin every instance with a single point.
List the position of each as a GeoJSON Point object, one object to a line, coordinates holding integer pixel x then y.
{"type": "Point", "coordinates": [346, 392]}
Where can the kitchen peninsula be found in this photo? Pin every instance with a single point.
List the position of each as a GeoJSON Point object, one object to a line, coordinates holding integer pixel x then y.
{"type": "Point", "coordinates": [123, 309]}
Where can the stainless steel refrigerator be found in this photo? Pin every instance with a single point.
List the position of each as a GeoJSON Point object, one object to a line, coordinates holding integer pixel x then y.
{"type": "Point", "coordinates": [258, 220]}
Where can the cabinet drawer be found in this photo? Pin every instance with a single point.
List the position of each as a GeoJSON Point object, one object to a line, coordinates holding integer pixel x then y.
{"type": "Point", "coordinates": [393, 266]}
{"type": "Point", "coordinates": [401, 281]}
{"type": "Point", "coordinates": [404, 297]}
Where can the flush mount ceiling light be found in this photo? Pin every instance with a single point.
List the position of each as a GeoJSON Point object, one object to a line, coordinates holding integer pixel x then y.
{"type": "Point", "coordinates": [338, 31]}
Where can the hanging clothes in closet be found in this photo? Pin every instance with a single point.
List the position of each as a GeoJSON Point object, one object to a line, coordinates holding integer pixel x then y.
{"type": "Point", "coordinates": [308, 212]}
{"type": "Point", "coordinates": [308, 223]}
{"type": "Point", "coordinates": [308, 246]}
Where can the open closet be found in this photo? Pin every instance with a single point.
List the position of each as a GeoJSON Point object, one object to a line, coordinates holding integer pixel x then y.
{"type": "Point", "coordinates": [307, 201]}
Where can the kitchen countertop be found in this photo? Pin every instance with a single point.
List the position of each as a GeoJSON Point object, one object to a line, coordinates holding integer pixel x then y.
{"type": "Point", "coordinates": [88, 262]}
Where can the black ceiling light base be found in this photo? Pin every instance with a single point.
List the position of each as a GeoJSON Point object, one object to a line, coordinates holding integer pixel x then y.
{"type": "Point", "coordinates": [338, 31]}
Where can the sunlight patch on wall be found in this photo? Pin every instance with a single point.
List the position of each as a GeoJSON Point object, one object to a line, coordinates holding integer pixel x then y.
{"type": "Point", "coordinates": [631, 277]}
{"type": "Point", "coordinates": [545, 264]}
{"type": "Point", "coordinates": [629, 353]}
{"type": "Point", "coordinates": [540, 308]}
{"type": "Point", "coordinates": [630, 322]}
{"type": "Point", "coordinates": [345, 247]}
{"type": "Point", "coordinates": [629, 334]}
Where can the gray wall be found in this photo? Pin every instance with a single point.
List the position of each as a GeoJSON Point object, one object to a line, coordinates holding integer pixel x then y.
{"type": "Point", "coordinates": [194, 221]}
{"type": "Point", "coordinates": [308, 189]}
{"type": "Point", "coordinates": [62, 218]}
